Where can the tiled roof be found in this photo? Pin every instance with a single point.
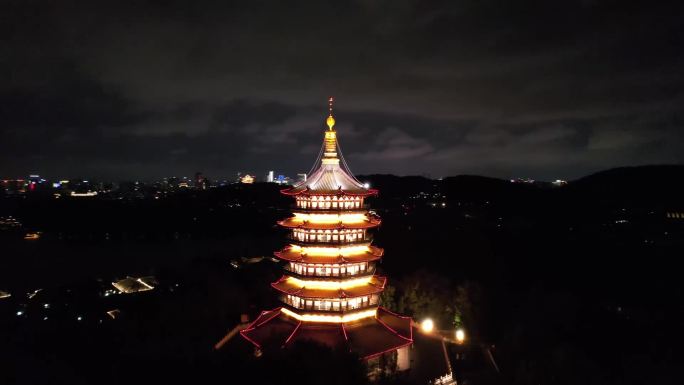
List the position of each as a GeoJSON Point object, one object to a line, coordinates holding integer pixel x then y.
{"type": "Point", "coordinates": [289, 286]}
{"type": "Point", "coordinates": [292, 222]}
{"type": "Point", "coordinates": [367, 337]}
{"type": "Point", "coordinates": [288, 254]}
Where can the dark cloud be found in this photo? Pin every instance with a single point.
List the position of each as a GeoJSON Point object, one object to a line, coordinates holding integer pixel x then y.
{"type": "Point", "coordinates": [146, 89]}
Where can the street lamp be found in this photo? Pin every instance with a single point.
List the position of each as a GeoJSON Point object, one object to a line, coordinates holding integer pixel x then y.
{"type": "Point", "coordinates": [460, 336]}
{"type": "Point", "coordinates": [427, 325]}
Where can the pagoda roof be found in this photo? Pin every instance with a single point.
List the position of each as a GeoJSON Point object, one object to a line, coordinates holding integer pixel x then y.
{"type": "Point", "coordinates": [368, 337]}
{"type": "Point", "coordinates": [290, 286]}
{"type": "Point", "coordinates": [295, 223]}
{"type": "Point", "coordinates": [330, 179]}
{"type": "Point", "coordinates": [293, 255]}
{"type": "Point", "coordinates": [331, 175]}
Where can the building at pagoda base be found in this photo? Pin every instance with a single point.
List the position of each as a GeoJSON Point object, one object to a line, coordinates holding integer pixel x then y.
{"type": "Point", "coordinates": [329, 289]}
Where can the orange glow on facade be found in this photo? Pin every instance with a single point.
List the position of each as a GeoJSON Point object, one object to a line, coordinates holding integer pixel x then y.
{"type": "Point", "coordinates": [330, 318]}
{"type": "Point", "coordinates": [330, 285]}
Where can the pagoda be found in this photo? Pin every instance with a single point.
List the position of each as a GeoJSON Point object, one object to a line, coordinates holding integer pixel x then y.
{"type": "Point", "coordinates": [329, 290]}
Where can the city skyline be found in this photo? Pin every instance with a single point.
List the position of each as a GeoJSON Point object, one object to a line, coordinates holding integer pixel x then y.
{"type": "Point", "coordinates": [142, 91]}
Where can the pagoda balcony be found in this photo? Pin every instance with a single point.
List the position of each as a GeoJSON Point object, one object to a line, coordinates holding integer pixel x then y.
{"type": "Point", "coordinates": [304, 273]}
{"type": "Point", "coordinates": [365, 240]}
{"type": "Point", "coordinates": [330, 307]}
{"type": "Point", "coordinates": [339, 210]}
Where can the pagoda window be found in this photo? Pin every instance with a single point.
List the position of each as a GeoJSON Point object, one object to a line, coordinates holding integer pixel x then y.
{"type": "Point", "coordinates": [336, 305]}
{"type": "Point", "coordinates": [335, 271]}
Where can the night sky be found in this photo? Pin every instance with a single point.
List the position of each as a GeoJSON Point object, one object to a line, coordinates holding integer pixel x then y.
{"type": "Point", "coordinates": [542, 89]}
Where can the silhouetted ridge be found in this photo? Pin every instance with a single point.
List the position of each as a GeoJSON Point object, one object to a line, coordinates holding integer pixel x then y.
{"type": "Point", "coordinates": [652, 185]}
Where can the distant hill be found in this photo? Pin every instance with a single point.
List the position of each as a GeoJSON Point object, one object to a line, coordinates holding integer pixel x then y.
{"type": "Point", "coordinates": [650, 185]}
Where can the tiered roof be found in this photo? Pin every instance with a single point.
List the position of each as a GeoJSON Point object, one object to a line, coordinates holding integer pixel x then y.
{"type": "Point", "coordinates": [288, 285]}
{"type": "Point", "coordinates": [332, 176]}
{"type": "Point", "coordinates": [295, 223]}
{"type": "Point", "coordinates": [296, 254]}
{"type": "Point", "coordinates": [368, 337]}
{"type": "Point", "coordinates": [330, 179]}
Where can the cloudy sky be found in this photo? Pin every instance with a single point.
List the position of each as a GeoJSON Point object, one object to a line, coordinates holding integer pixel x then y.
{"type": "Point", "coordinates": [145, 89]}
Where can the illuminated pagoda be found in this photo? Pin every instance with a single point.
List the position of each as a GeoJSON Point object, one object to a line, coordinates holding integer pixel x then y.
{"type": "Point", "coordinates": [329, 289]}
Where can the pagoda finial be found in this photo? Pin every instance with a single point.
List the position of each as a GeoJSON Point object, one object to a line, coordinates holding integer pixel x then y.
{"type": "Point", "coordinates": [330, 121]}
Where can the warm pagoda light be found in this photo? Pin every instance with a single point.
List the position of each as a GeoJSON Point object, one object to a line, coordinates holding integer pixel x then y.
{"type": "Point", "coordinates": [460, 336]}
{"type": "Point", "coordinates": [329, 282]}
{"type": "Point", "coordinates": [330, 285]}
{"type": "Point", "coordinates": [427, 325]}
{"type": "Point", "coordinates": [330, 318]}
{"type": "Point", "coordinates": [331, 218]}
{"type": "Point", "coordinates": [328, 251]}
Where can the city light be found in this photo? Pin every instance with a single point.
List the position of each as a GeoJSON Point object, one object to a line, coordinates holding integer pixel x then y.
{"type": "Point", "coordinates": [427, 325]}
{"type": "Point", "coordinates": [85, 194]}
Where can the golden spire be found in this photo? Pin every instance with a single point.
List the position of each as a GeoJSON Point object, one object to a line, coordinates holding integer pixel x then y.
{"type": "Point", "coordinates": [330, 141]}
{"type": "Point", "coordinates": [330, 121]}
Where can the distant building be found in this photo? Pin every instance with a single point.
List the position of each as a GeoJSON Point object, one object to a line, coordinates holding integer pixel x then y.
{"type": "Point", "coordinates": [282, 179]}
{"type": "Point", "coordinates": [523, 180]}
{"type": "Point", "coordinates": [674, 215]}
{"type": "Point", "coordinates": [13, 186]}
{"type": "Point", "coordinates": [301, 178]}
{"type": "Point", "coordinates": [83, 194]}
{"type": "Point", "coordinates": [133, 285]}
{"type": "Point", "coordinates": [9, 222]}
{"type": "Point", "coordinates": [248, 179]}
{"type": "Point", "coordinates": [200, 181]}
{"type": "Point", "coordinates": [269, 177]}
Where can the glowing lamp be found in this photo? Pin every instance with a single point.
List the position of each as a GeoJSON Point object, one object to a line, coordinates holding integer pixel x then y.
{"type": "Point", "coordinates": [460, 336]}
{"type": "Point", "coordinates": [427, 325]}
